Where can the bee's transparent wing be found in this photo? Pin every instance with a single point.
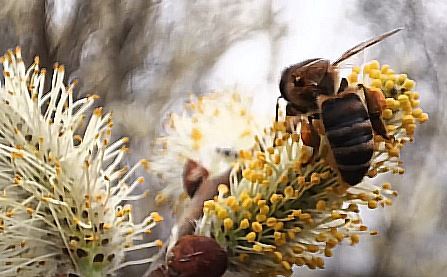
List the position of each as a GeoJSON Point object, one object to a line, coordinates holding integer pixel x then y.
{"type": "Point", "coordinates": [360, 47]}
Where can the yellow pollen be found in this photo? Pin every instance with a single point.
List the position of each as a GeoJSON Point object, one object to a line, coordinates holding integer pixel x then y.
{"type": "Point", "coordinates": [271, 221]}
{"type": "Point", "coordinates": [251, 237]}
{"type": "Point", "coordinates": [286, 265]}
{"type": "Point", "coordinates": [355, 238]}
{"type": "Point", "coordinates": [228, 224]}
{"type": "Point", "coordinates": [160, 199]}
{"type": "Point", "coordinates": [257, 248]}
{"type": "Point", "coordinates": [264, 210]}
{"type": "Point", "coordinates": [256, 226]}
{"type": "Point", "coordinates": [278, 226]}
{"type": "Point", "coordinates": [223, 189]}
{"type": "Point", "coordinates": [244, 224]}
{"type": "Point", "coordinates": [321, 205]}
{"type": "Point", "coordinates": [196, 134]}
{"type": "Point", "coordinates": [158, 243]}
{"type": "Point", "coordinates": [156, 217]}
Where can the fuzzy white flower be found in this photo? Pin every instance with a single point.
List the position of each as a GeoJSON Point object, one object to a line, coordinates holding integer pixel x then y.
{"type": "Point", "coordinates": [62, 205]}
{"type": "Point", "coordinates": [210, 131]}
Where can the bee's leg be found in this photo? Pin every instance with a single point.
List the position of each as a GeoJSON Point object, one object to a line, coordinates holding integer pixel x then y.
{"type": "Point", "coordinates": [343, 85]}
{"type": "Point", "coordinates": [309, 133]}
{"type": "Point", "coordinates": [194, 174]}
{"type": "Point", "coordinates": [375, 101]}
{"type": "Point", "coordinates": [277, 109]}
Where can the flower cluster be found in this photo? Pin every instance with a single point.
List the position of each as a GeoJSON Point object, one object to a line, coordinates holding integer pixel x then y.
{"type": "Point", "coordinates": [285, 206]}
{"type": "Point", "coordinates": [400, 114]}
{"type": "Point", "coordinates": [210, 129]}
{"type": "Point", "coordinates": [62, 208]}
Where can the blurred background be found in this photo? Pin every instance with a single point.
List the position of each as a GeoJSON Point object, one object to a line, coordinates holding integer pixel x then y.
{"type": "Point", "coordinates": [144, 57]}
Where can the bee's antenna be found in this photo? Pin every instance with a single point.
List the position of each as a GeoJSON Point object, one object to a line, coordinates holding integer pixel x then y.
{"type": "Point", "coordinates": [277, 109]}
{"type": "Point", "coordinates": [362, 46]}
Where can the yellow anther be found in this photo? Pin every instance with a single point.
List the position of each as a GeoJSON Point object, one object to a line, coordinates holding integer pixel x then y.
{"type": "Point", "coordinates": [251, 237]}
{"type": "Point", "coordinates": [423, 117]}
{"type": "Point", "coordinates": [363, 228]}
{"type": "Point", "coordinates": [374, 74]}
{"type": "Point", "coordinates": [409, 129]}
{"type": "Point", "coordinates": [271, 221]}
{"type": "Point", "coordinates": [321, 237]}
{"type": "Point", "coordinates": [390, 128]}
{"type": "Point", "coordinates": [313, 248]}
{"type": "Point", "coordinates": [353, 77]}
{"type": "Point", "coordinates": [244, 224]}
{"type": "Point", "coordinates": [277, 235]}
{"type": "Point", "coordinates": [339, 236]}
{"type": "Point", "coordinates": [264, 210]}
{"type": "Point", "coordinates": [374, 64]}
{"type": "Point", "coordinates": [387, 114]}
{"type": "Point", "coordinates": [158, 243]}
{"type": "Point", "coordinates": [407, 119]}
{"type": "Point", "coordinates": [394, 152]}
{"type": "Point", "coordinates": [356, 69]}
{"type": "Point", "coordinates": [401, 78]}
{"type": "Point", "coordinates": [275, 198]}
{"type": "Point", "coordinates": [246, 204]}
{"type": "Point", "coordinates": [372, 204]}
{"type": "Point", "coordinates": [278, 256]}
{"type": "Point", "coordinates": [278, 226]}
{"type": "Point", "coordinates": [335, 215]}
{"type": "Point", "coordinates": [385, 68]}
{"type": "Point", "coordinates": [376, 83]}
{"type": "Point", "coordinates": [261, 202]}
{"type": "Point", "coordinates": [296, 213]}
{"type": "Point", "coordinates": [223, 189]}
{"type": "Point", "coordinates": [315, 179]}
{"type": "Point", "coordinates": [257, 248]}
{"type": "Point", "coordinates": [277, 159]}
{"type": "Point", "coordinates": [328, 252]}
{"type": "Point", "coordinates": [355, 238]}
{"type": "Point", "coordinates": [353, 208]}
{"type": "Point", "coordinates": [156, 217]}
{"type": "Point", "coordinates": [389, 85]}
{"type": "Point", "coordinates": [403, 98]}
{"type": "Point", "coordinates": [228, 224]}
{"type": "Point", "coordinates": [409, 84]}
{"type": "Point", "coordinates": [160, 199]}
{"type": "Point", "coordinates": [256, 226]}
{"type": "Point", "coordinates": [261, 217]}
{"type": "Point", "coordinates": [222, 213]}
{"type": "Point", "coordinates": [386, 186]}
{"type": "Point", "coordinates": [286, 265]}
{"type": "Point", "coordinates": [366, 69]}
{"type": "Point", "coordinates": [389, 103]}
{"type": "Point", "coordinates": [289, 192]}
{"type": "Point", "coordinates": [415, 103]}
{"type": "Point", "coordinates": [319, 262]}
{"type": "Point", "coordinates": [231, 201]}
{"type": "Point", "coordinates": [321, 205]}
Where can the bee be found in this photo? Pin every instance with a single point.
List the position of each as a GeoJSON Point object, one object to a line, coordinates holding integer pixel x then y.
{"type": "Point", "coordinates": [347, 117]}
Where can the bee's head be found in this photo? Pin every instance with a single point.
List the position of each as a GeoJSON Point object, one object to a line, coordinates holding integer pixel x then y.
{"type": "Point", "coordinates": [304, 81]}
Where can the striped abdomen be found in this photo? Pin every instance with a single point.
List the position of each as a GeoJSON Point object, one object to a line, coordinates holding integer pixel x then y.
{"type": "Point", "coordinates": [349, 132]}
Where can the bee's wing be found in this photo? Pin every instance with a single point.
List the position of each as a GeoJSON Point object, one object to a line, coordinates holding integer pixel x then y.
{"type": "Point", "coordinates": [360, 47]}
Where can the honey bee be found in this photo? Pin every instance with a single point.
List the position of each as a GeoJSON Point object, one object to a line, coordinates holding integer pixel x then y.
{"type": "Point", "coordinates": [348, 116]}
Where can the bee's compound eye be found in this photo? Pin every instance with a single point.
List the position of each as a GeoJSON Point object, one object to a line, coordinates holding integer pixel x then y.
{"type": "Point", "coordinates": [298, 81]}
